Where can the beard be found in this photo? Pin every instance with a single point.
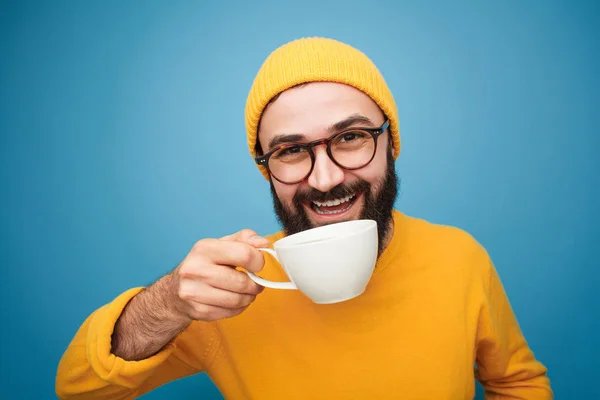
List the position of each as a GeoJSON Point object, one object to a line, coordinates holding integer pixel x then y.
{"type": "Point", "coordinates": [378, 204]}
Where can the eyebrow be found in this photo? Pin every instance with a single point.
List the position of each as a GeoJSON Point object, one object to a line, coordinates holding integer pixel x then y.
{"type": "Point", "coordinates": [354, 119]}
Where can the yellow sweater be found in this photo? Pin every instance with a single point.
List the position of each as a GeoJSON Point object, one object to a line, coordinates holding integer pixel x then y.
{"type": "Point", "coordinates": [433, 308]}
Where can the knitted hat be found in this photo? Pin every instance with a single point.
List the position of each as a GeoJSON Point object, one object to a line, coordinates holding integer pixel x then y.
{"type": "Point", "coordinates": [317, 60]}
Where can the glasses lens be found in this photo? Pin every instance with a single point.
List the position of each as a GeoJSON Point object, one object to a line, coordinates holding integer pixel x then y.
{"type": "Point", "coordinates": [290, 164]}
{"type": "Point", "coordinates": [353, 149]}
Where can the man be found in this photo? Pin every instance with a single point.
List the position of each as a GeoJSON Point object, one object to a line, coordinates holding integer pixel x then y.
{"type": "Point", "coordinates": [434, 305]}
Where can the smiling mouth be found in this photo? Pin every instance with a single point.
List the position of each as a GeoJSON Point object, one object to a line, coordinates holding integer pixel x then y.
{"type": "Point", "coordinates": [331, 207]}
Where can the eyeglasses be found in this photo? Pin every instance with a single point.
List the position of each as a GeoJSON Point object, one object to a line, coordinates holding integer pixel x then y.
{"type": "Point", "coordinates": [349, 149]}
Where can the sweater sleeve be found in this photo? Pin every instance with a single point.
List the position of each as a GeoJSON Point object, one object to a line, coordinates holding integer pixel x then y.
{"type": "Point", "coordinates": [88, 369]}
{"type": "Point", "coordinates": [506, 366]}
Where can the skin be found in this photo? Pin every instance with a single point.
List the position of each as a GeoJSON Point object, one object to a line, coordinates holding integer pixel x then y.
{"type": "Point", "coordinates": [310, 110]}
{"type": "Point", "coordinates": [206, 286]}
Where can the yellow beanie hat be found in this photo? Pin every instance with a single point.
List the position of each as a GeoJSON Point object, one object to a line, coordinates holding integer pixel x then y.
{"type": "Point", "coordinates": [317, 60]}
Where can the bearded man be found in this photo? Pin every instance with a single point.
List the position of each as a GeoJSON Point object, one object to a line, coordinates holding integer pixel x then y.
{"type": "Point", "coordinates": [323, 128]}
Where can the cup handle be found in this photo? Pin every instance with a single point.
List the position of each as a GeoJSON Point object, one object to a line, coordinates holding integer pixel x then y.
{"type": "Point", "coordinates": [270, 284]}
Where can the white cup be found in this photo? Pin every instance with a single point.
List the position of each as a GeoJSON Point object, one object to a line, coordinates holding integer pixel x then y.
{"type": "Point", "coordinates": [329, 264]}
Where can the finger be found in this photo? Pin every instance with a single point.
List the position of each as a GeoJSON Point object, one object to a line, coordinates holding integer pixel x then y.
{"type": "Point", "coordinates": [248, 236]}
{"type": "Point", "coordinates": [234, 254]}
{"type": "Point", "coordinates": [223, 277]}
{"type": "Point", "coordinates": [205, 312]}
{"type": "Point", "coordinates": [242, 235]}
{"type": "Point", "coordinates": [202, 293]}
{"type": "Point", "coordinates": [201, 269]}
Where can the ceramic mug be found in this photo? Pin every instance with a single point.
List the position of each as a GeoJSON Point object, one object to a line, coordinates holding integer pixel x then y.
{"type": "Point", "coordinates": [330, 263]}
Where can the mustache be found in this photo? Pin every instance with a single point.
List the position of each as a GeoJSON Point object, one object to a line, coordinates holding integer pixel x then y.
{"type": "Point", "coordinates": [337, 192]}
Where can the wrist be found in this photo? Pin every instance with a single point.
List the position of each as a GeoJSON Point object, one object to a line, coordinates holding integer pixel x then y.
{"type": "Point", "coordinates": [173, 307]}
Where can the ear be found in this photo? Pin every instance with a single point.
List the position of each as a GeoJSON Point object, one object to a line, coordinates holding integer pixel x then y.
{"type": "Point", "coordinates": [258, 147]}
{"type": "Point", "coordinates": [390, 149]}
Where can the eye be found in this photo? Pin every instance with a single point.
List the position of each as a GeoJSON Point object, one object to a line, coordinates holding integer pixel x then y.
{"type": "Point", "coordinates": [290, 153]}
{"type": "Point", "coordinates": [351, 136]}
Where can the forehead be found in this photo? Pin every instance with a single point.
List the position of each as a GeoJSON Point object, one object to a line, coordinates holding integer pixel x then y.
{"type": "Point", "coordinates": [311, 108]}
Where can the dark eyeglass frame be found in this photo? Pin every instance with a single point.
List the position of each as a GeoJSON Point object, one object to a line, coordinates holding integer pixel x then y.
{"type": "Point", "coordinates": [374, 132]}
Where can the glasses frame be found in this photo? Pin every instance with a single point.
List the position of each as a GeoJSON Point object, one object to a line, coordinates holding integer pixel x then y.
{"type": "Point", "coordinates": [374, 132]}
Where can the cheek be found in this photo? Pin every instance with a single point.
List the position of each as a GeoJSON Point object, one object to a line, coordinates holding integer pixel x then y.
{"type": "Point", "coordinates": [285, 193]}
{"type": "Point", "coordinates": [374, 173]}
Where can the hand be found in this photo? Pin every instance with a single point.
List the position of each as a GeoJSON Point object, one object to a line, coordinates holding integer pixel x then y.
{"type": "Point", "coordinates": [207, 283]}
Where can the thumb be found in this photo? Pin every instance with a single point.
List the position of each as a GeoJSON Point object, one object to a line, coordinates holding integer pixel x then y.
{"type": "Point", "coordinates": [248, 236]}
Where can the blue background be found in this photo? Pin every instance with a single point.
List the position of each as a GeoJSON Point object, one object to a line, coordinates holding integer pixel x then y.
{"type": "Point", "coordinates": [123, 143]}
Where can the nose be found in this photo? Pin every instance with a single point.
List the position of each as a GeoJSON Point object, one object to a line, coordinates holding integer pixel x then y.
{"type": "Point", "coordinates": [325, 174]}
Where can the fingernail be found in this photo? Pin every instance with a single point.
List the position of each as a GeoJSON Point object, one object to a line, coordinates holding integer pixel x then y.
{"type": "Point", "coordinates": [257, 239]}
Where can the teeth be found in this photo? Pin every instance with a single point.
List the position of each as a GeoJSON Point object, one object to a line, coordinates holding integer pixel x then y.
{"type": "Point", "coordinates": [332, 203]}
{"type": "Point", "coordinates": [321, 212]}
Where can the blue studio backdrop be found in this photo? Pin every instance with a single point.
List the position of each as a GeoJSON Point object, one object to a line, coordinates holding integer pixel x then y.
{"type": "Point", "coordinates": [122, 143]}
